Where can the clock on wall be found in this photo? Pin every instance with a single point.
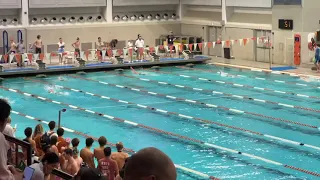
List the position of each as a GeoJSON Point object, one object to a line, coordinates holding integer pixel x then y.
{"type": "Point", "coordinates": [286, 24]}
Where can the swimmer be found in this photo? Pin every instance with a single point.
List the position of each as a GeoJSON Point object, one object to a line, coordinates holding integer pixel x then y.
{"type": "Point", "coordinates": [60, 78]}
{"type": "Point", "coordinates": [135, 72]}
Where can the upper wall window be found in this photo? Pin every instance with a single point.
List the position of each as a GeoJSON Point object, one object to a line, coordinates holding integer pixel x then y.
{"type": "Point", "coordinates": [287, 2]}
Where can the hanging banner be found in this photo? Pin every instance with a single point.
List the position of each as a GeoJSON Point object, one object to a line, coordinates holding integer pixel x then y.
{"type": "Point", "coordinates": [222, 44]}
{"type": "Point", "coordinates": [48, 56]}
{"type": "Point", "coordinates": [87, 55]}
{"type": "Point", "coordinates": [209, 44]}
{"type": "Point", "coordinates": [171, 49]}
{"type": "Point", "coordinates": [245, 41]}
{"type": "Point", "coordinates": [190, 47]}
{"type": "Point", "coordinates": [30, 56]}
{"type": "Point", "coordinates": [177, 48]}
{"type": "Point", "coordinates": [130, 51]}
{"type": "Point", "coordinates": [18, 58]}
{"type": "Point", "coordinates": [141, 51]}
{"type": "Point", "coordinates": [41, 56]}
{"type": "Point", "coordinates": [254, 38]}
{"type": "Point", "coordinates": [157, 50]}
{"type": "Point", "coordinates": [151, 50]}
{"type": "Point", "coordinates": [11, 56]}
{"type": "Point", "coordinates": [0, 58]}
{"type": "Point", "coordinates": [5, 57]}
{"type": "Point", "coordinates": [161, 47]}
{"type": "Point", "coordinates": [181, 47]}
{"type": "Point", "coordinates": [109, 52]}
{"type": "Point", "coordinates": [205, 44]}
{"type": "Point", "coordinates": [232, 42]}
{"type": "Point", "coordinates": [213, 44]}
{"type": "Point", "coordinates": [187, 46]}
{"type": "Point", "coordinates": [120, 52]}
{"type": "Point", "coordinates": [82, 54]}
{"type": "Point", "coordinates": [241, 42]}
{"type": "Point", "coordinates": [103, 54]}
{"type": "Point", "coordinates": [195, 46]}
{"type": "Point", "coordinates": [125, 52]}
{"type": "Point", "coordinates": [200, 46]}
{"type": "Point", "coordinates": [35, 57]}
{"type": "Point", "coordinates": [114, 52]}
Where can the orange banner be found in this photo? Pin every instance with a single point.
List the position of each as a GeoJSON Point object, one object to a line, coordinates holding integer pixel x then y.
{"type": "Point", "coordinates": [161, 47]}
{"type": "Point", "coordinates": [30, 56]}
{"type": "Point", "coordinates": [151, 49]}
{"type": "Point", "coordinates": [190, 47]}
{"type": "Point", "coordinates": [5, 57]}
{"type": "Point", "coordinates": [227, 43]}
{"type": "Point", "coordinates": [171, 49]}
{"type": "Point", "coordinates": [120, 52]}
{"type": "Point", "coordinates": [87, 54]}
{"type": "Point", "coordinates": [130, 51]}
{"type": "Point", "coordinates": [209, 44]}
{"type": "Point", "coordinates": [18, 58]}
{"type": "Point", "coordinates": [109, 52]}
{"type": "Point", "coordinates": [200, 46]}
{"type": "Point", "coordinates": [41, 56]}
{"type": "Point", "coordinates": [245, 41]}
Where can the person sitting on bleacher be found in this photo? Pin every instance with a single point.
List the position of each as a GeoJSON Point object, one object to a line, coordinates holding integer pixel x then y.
{"type": "Point", "coordinates": [42, 170]}
{"type": "Point", "coordinates": [6, 172]}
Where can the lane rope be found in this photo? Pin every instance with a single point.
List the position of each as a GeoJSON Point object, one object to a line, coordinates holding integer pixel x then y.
{"type": "Point", "coordinates": [255, 88]}
{"type": "Point", "coordinates": [232, 95]}
{"type": "Point", "coordinates": [183, 116]}
{"type": "Point", "coordinates": [264, 70]}
{"type": "Point", "coordinates": [222, 107]}
{"type": "Point", "coordinates": [211, 145]}
{"type": "Point", "coordinates": [252, 77]}
{"type": "Point", "coordinates": [112, 144]}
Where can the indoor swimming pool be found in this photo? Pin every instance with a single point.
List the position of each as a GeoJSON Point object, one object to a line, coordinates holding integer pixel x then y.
{"type": "Point", "coordinates": [217, 121]}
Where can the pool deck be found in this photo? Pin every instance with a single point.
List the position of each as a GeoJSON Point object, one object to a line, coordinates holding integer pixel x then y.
{"type": "Point", "coordinates": [265, 67]}
{"type": "Point", "coordinates": [101, 68]}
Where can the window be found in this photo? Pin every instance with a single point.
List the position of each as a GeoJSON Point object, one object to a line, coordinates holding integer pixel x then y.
{"type": "Point", "coordinates": [287, 2]}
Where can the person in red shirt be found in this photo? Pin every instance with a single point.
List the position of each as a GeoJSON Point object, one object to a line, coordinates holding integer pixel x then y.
{"type": "Point", "coordinates": [107, 166]}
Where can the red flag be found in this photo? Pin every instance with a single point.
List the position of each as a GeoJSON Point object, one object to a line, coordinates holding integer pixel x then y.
{"type": "Point", "coordinates": [245, 41]}
{"type": "Point", "coordinates": [30, 56]}
{"type": "Point", "coordinates": [236, 40]}
{"type": "Point", "coordinates": [5, 57]}
{"type": "Point", "coordinates": [161, 47]}
{"type": "Point", "coordinates": [87, 54]}
{"type": "Point", "coordinates": [130, 51]}
{"type": "Point", "coordinates": [53, 54]}
{"type": "Point", "coordinates": [18, 58]}
{"type": "Point", "coordinates": [181, 47]}
{"type": "Point", "coordinates": [209, 44]}
{"type": "Point", "coordinates": [109, 52]}
{"type": "Point", "coordinates": [254, 38]}
{"type": "Point", "coordinates": [151, 49]}
{"type": "Point", "coordinates": [171, 49]}
{"type": "Point", "coordinates": [98, 53]}
{"type": "Point", "coordinates": [120, 52]}
{"type": "Point", "coordinates": [64, 53]}
{"type": "Point", "coordinates": [76, 53]}
{"type": "Point", "coordinates": [190, 47]}
{"type": "Point", "coordinates": [200, 46]}
{"type": "Point", "coordinates": [227, 43]}
{"type": "Point", "coordinates": [41, 56]}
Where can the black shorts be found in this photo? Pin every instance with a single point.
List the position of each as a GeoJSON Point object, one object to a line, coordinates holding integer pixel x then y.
{"type": "Point", "coordinates": [77, 50]}
{"type": "Point", "coordinates": [38, 51]}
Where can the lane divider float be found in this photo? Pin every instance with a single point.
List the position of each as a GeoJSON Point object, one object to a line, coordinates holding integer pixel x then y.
{"type": "Point", "coordinates": [195, 102]}
{"type": "Point", "coordinates": [230, 95]}
{"type": "Point", "coordinates": [183, 116]}
{"type": "Point", "coordinates": [226, 108]}
{"type": "Point", "coordinates": [210, 145]}
{"type": "Point", "coordinates": [258, 78]}
{"type": "Point", "coordinates": [131, 151]}
{"type": "Point", "coordinates": [264, 70]}
{"type": "Point", "coordinates": [256, 88]}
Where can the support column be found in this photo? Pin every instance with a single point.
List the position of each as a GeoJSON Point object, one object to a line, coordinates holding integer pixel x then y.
{"type": "Point", "coordinates": [109, 13]}
{"type": "Point", "coordinates": [223, 23]}
{"type": "Point", "coordinates": [180, 10]}
{"type": "Point", "coordinates": [24, 13]}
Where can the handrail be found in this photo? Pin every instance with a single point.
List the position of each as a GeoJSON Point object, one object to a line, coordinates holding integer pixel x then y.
{"type": "Point", "coordinates": [24, 145]}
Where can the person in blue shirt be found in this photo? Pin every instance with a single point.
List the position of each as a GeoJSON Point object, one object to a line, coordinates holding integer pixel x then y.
{"type": "Point", "coordinates": [317, 58]}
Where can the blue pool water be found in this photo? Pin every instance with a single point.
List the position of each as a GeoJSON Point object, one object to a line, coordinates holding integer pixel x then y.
{"type": "Point", "coordinates": [201, 158]}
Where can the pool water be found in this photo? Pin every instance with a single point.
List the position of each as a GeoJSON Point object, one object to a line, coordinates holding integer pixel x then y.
{"type": "Point", "coordinates": [204, 159]}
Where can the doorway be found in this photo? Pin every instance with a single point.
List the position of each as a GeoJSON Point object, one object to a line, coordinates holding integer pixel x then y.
{"type": "Point", "coordinates": [214, 35]}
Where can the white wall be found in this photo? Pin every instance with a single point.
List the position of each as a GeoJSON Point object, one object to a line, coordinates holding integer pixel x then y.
{"type": "Point", "coordinates": [202, 2]}
{"type": "Point", "coordinates": [250, 3]}
{"type": "Point", "coordinates": [143, 2]}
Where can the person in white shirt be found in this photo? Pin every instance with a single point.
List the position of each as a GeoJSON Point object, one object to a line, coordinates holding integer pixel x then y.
{"type": "Point", "coordinates": [9, 130]}
{"type": "Point", "coordinates": [61, 46]}
{"type": "Point", "coordinates": [6, 172]}
{"type": "Point", "coordinates": [139, 47]}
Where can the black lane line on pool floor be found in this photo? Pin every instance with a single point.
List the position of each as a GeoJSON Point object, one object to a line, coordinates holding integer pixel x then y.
{"type": "Point", "coordinates": [161, 111]}
{"type": "Point", "coordinates": [224, 108]}
{"type": "Point", "coordinates": [184, 169]}
{"type": "Point", "coordinates": [257, 78]}
{"type": "Point", "coordinates": [165, 132]}
{"type": "Point", "coordinates": [254, 88]}
{"type": "Point", "coordinates": [236, 96]}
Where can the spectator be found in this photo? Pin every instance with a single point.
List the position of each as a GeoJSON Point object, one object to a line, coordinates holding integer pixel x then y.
{"type": "Point", "coordinates": [7, 172]}
{"type": "Point", "coordinates": [139, 47]}
{"type": "Point", "coordinates": [75, 142]}
{"type": "Point", "coordinates": [107, 166]}
{"type": "Point", "coordinates": [61, 141]}
{"type": "Point", "coordinates": [9, 130]}
{"type": "Point", "coordinates": [52, 126]}
{"type": "Point", "coordinates": [37, 134]}
{"type": "Point", "coordinates": [120, 157]}
{"type": "Point", "coordinates": [86, 173]}
{"type": "Point", "coordinates": [86, 154]}
{"type": "Point", "coordinates": [43, 169]}
{"type": "Point", "coordinates": [28, 133]}
{"type": "Point", "coordinates": [70, 165]}
{"type": "Point", "coordinates": [150, 163]}
{"type": "Point", "coordinates": [53, 144]}
{"type": "Point", "coordinates": [99, 152]}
